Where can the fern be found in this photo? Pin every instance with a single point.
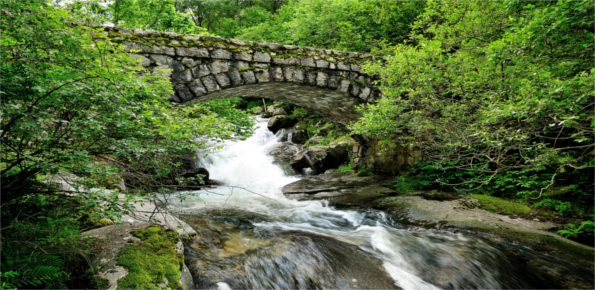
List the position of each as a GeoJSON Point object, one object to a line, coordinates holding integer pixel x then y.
{"type": "Point", "coordinates": [37, 270]}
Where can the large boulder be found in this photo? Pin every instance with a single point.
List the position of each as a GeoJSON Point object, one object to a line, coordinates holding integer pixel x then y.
{"type": "Point", "coordinates": [314, 140]}
{"type": "Point", "coordinates": [282, 153]}
{"type": "Point", "coordinates": [280, 112]}
{"type": "Point", "coordinates": [257, 110]}
{"type": "Point", "coordinates": [292, 135]}
{"type": "Point", "coordinates": [278, 122]}
{"type": "Point", "coordinates": [298, 137]}
{"type": "Point", "coordinates": [270, 109]}
{"type": "Point", "coordinates": [316, 157]}
{"type": "Point", "coordinates": [336, 187]}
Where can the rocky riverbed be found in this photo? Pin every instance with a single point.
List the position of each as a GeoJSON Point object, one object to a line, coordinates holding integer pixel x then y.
{"type": "Point", "coordinates": [568, 263]}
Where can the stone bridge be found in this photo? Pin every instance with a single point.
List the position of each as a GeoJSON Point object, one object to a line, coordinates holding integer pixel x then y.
{"type": "Point", "coordinates": [327, 82]}
{"type": "Point", "coordinates": [204, 68]}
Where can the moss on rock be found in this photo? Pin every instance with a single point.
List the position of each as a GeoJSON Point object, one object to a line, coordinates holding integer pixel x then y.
{"type": "Point", "coordinates": [151, 260]}
{"type": "Point", "coordinates": [501, 206]}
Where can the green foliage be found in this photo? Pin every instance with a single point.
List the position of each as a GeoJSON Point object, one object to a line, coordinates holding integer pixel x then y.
{"type": "Point", "coordinates": [344, 168]}
{"type": "Point", "coordinates": [404, 184]}
{"type": "Point", "coordinates": [300, 113]}
{"type": "Point", "coordinates": [364, 172]}
{"type": "Point", "coordinates": [353, 25]}
{"type": "Point", "coordinates": [151, 260]}
{"type": "Point", "coordinates": [572, 230]}
{"type": "Point", "coordinates": [497, 95]}
{"type": "Point", "coordinates": [501, 206]}
{"type": "Point", "coordinates": [238, 121]}
{"type": "Point", "coordinates": [145, 14]}
{"type": "Point", "coordinates": [35, 270]}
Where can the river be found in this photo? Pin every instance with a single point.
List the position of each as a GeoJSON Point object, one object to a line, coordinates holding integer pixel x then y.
{"type": "Point", "coordinates": [252, 237]}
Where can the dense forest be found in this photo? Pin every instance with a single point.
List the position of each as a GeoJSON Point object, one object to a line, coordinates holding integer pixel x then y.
{"type": "Point", "coordinates": [498, 96]}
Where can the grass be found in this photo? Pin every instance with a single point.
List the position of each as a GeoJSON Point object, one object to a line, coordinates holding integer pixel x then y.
{"type": "Point", "coordinates": [344, 168]}
{"type": "Point", "coordinates": [151, 260]}
{"type": "Point", "coordinates": [501, 206]}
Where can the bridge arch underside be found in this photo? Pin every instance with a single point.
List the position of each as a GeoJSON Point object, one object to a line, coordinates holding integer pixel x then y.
{"type": "Point", "coordinates": [333, 105]}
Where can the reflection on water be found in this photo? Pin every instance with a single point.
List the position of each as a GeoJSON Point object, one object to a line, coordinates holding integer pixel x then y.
{"type": "Point", "coordinates": [252, 237]}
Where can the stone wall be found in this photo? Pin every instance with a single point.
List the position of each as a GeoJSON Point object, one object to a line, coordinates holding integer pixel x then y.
{"type": "Point", "coordinates": [394, 161]}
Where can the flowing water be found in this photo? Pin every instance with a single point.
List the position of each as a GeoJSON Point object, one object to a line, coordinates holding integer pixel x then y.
{"type": "Point", "coordinates": [252, 237]}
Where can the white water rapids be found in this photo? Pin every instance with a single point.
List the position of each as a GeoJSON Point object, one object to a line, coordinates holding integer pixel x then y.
{"type": "Point", "coordinates": [256, 187]}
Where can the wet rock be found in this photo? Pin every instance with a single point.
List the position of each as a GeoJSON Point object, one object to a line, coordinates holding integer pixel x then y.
{"type": "Point", "coordinates": [279, 112]}
{"type": "Point", "coordinates": [315, 157]}
{"type": "Point", "coordinates": [278, 122]}
{"type": "Point", "coordinates": [299, 136]}
{"type": "Point", "coordinates": [279, 262]}
{"type": "Point", "coordinates": [470, 203]}
{"type": "Point", "coordinates": [257, 110]}
{"type": "Point", "coordinates": [335, 184]}
{"type": "Point", "coordinates": [270, 109]}
{"type": "Point", "coordinates": [283, 151]}
{"type": "Point", "coordinates": [292, 135]}
{"type": "Point", "coordinates": [315, 140]}
{"type": "Point", "coordinates": [267, 114]}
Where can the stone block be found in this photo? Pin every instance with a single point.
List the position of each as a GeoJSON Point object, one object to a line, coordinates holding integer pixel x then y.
{"type": "Point", "coordinates": [152, 33]}
{"type": "Point", "coordinates": [298, 76]}
{"type": "Point", "coordinates": [311, 78]}
{"type": "Point", "coordinates": [342, 66]}
{"type": "Point", "coordinates": [183, 93]}
{"type": "Point", "coordinates": [184, 76]}
{"type": "Point", "coordinates": [161, 59]}
{"type": "Point", "coordinates": [163, 70]}
{"type": "Point", "coordinates": [191, 37]}
{"type": "Point", "coordinates": [139, 33]}
{"type": "Point", "coordinates": [171, 35]}
{"type": "Point", "coordinates": [248, 77]}
{"type": "Point", "coordinates": [188, 62]}
{"type": "Point", "coordinates": [286, 60]}
{"type": "Point", "coordinates": [219, 67]}
{"type": "Point", "coordinates": [163, 50]}
{"type": "Point", "coordinates": [321, 63]}
{"type": "Point", "coordinates": [307, 61]}
{"type": "Point", "coordinates": [220, 54]}
{"type": "Point", "coordinates": [210, 84]}
{"type": "Point", "coordinates": [239, 64]}
{"type": "Point", "coordinates": [242, 56]}
{"type": "Point", "coordinates": [355, 89]}
{"type": "Point", "coordinates": [332, 66]}
{"type": "Point", "coordinates": [333, 82]}
{"type": "Point", "coordinates": [276, 74]}
{"type": "Point", "coordinates": [321, 79]}
{"type": "Point", "coordinates": [136, 46]}
{"type": "Point", "coordinates": [201, 71]}
{"type": "Point", "coordinates": [344, 86]}
{"type": "Point", "coordinates": [197, 88]}
{"type": "Point", "coordinates": [223, 80]}
{"type": "Point", "coordinates": [355, 67]}
{"type": "Point", "coordinates": [237, 42]}
{"type": "Point", "coordinates": [236, 79]}
{"type": "Point", "coordinates": [261, 57]}
{"type": "Point", "coordinates": [262, 76]}
{"type": "Point", "coordinates": [192, 51]}
{"type": "Point", "coordinates": [288, 74]}
{"type": "Point", "coordinates": [177, 66]}
{"type": "Point", "coordinates": [364, 94]}
{"type": "Point", "coordinates": [144, 60]}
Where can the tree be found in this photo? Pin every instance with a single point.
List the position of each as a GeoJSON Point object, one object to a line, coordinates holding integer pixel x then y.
{"type": "Point", "coordinates": [497, 94]}
{"type": "Point", "coordinates": [353, 25]}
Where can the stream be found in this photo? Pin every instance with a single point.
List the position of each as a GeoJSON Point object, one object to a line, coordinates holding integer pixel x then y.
{"type": "Point", "coordinates": [250, 236]}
